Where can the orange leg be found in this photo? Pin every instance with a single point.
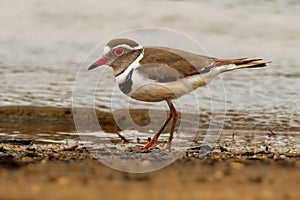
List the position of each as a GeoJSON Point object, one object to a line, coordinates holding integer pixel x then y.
{"type": "Point", "coordinates": [175, 117]}
{"type": "Point", "coordinates": [172, 115]}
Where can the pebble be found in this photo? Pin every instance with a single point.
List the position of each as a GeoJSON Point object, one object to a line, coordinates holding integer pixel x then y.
{"type": "Point", "coordinates": [14, 155]}
{"type": "Point", "coordinates": [282, 157]}
{"type": "Point", "coordinates": [237, 144]}
{"type": "Point", "coordinates": [63, 181]}
{"type": "Point", "coordinates": [218, 175]}
{"type": "Point", "coordinates": [236, 165]}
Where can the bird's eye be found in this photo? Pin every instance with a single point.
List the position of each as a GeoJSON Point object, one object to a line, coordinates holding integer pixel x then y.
{"type": "Point", "coordinates": [119, 51]}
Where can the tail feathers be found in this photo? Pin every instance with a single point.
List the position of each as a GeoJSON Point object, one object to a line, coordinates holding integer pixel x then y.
{"type": "Point", "coordinates": [232, 64]}
{"type": "Point", "coordinates": [252, 63]}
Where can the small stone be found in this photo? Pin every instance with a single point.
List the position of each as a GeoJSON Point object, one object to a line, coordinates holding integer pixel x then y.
{"type": "Point", "coordinates": [223, 149]}
{"type": "Point", "coordinates": [71, 148]}
{"type": "Point", "coordinates": [217, 157]}
{"type": "Point", "coordinates": [3, 150]}
{"type": "Point", "coordinates": [276, 156]}
{"type": "Point", "coordinates": [267, 148]}
{"type": "Point", "coordinates": [282, 156]}
{"type": "Point", "coordinates": [236, 165]}
{"type": "Point", "coordinates": [237, 144]}
{"type": "Point", "coordinates": [63, 181]}
{"type": "Point", "coordinates": [43, 162]}
{"type": "Point", "coordinates": [218, 175]}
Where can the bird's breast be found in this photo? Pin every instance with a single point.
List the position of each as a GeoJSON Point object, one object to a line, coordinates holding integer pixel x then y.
{"type": "Point", "coordinates": [139, 87]}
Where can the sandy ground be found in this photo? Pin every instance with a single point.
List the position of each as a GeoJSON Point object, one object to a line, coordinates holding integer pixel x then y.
{"type": "Point", "coordinates": [185, 179]}
{"type": "Point", "coordinates": [31, 170]}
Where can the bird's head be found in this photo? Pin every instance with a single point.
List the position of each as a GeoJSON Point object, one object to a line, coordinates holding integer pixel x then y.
{"type": "Point", "coordinates": [118, 54]}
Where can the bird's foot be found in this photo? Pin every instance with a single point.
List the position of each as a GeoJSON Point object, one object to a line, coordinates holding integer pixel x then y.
{"type": "Point", "coordinates": [151, 145]}
{"type": "Point", "coordinates": [167, 147]}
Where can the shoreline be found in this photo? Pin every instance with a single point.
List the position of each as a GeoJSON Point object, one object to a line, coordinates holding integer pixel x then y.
{"type": "Point", "coordinates": [235, 120]}
{"type": "Point", "coordinates": [234, 168]}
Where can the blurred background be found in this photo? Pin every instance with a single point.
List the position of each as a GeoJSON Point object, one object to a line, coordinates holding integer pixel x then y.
{"type": "Point", "coordinates": [43, 43]}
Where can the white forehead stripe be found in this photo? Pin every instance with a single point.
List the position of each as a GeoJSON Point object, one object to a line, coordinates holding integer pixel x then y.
{"type": "Point", "coordinates": [129, 47]}
{"type": "Point", "coordinates": [106, 49]}
{"type": "Point", "coordinates": [138, 47]}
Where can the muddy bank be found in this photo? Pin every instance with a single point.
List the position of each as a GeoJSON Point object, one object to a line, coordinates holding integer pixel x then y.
{"type": "Point", "coordinates": [52, 119]}
{"type": "Point", "coordinates": [62, 171]}
{"type": "Point", "coordinates": [249, 161]}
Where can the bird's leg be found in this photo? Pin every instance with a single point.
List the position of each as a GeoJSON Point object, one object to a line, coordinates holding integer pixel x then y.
{"type": "Point", "coordinates": [174, 115]}
{"type": "Point", "coordinates": [152, 143]}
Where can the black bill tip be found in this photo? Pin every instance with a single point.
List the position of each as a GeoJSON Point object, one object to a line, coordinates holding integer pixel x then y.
{"type": "Point", "coordinates": [93, 66]}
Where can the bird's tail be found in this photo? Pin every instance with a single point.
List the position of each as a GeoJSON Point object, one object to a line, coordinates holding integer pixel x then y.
{"type": "Point", "coordinates": [233, 64]}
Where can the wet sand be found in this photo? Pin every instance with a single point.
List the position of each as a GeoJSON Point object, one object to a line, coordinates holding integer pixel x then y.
{"type": "Point", "coordinates": [185, 179]}
{"type": "Point", "coordinates": [30, 169]}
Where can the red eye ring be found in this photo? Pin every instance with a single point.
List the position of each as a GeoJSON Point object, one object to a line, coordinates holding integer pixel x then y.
{"type": "Point", "coordinates": [119, 51]}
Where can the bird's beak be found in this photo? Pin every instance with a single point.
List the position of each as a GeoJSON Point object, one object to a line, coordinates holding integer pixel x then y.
{"type": "Point", "coordinates": [101, 61]}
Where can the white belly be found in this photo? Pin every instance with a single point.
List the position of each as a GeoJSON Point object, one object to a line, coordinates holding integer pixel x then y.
{"type": "Point", "coordinates": [149, 90]}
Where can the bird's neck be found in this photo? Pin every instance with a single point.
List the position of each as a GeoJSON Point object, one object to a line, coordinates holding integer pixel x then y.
{"type": "Point", "coordinates": [129, 60]}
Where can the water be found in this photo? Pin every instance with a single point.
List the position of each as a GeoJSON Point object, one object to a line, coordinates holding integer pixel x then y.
{"type": "Point", "coordinates": [42, 45]}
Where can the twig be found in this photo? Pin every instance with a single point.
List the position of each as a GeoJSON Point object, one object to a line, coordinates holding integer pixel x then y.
{"type": "Point", "coordinates": [123, 138]}
{"type": "Point", "coordinates": [271, 133]}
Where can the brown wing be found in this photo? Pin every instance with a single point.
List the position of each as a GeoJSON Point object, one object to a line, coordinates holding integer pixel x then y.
{"type": "Point", "coordinates": [159, 71]}
{"type": "Point", "coordinates": [166, 64]}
